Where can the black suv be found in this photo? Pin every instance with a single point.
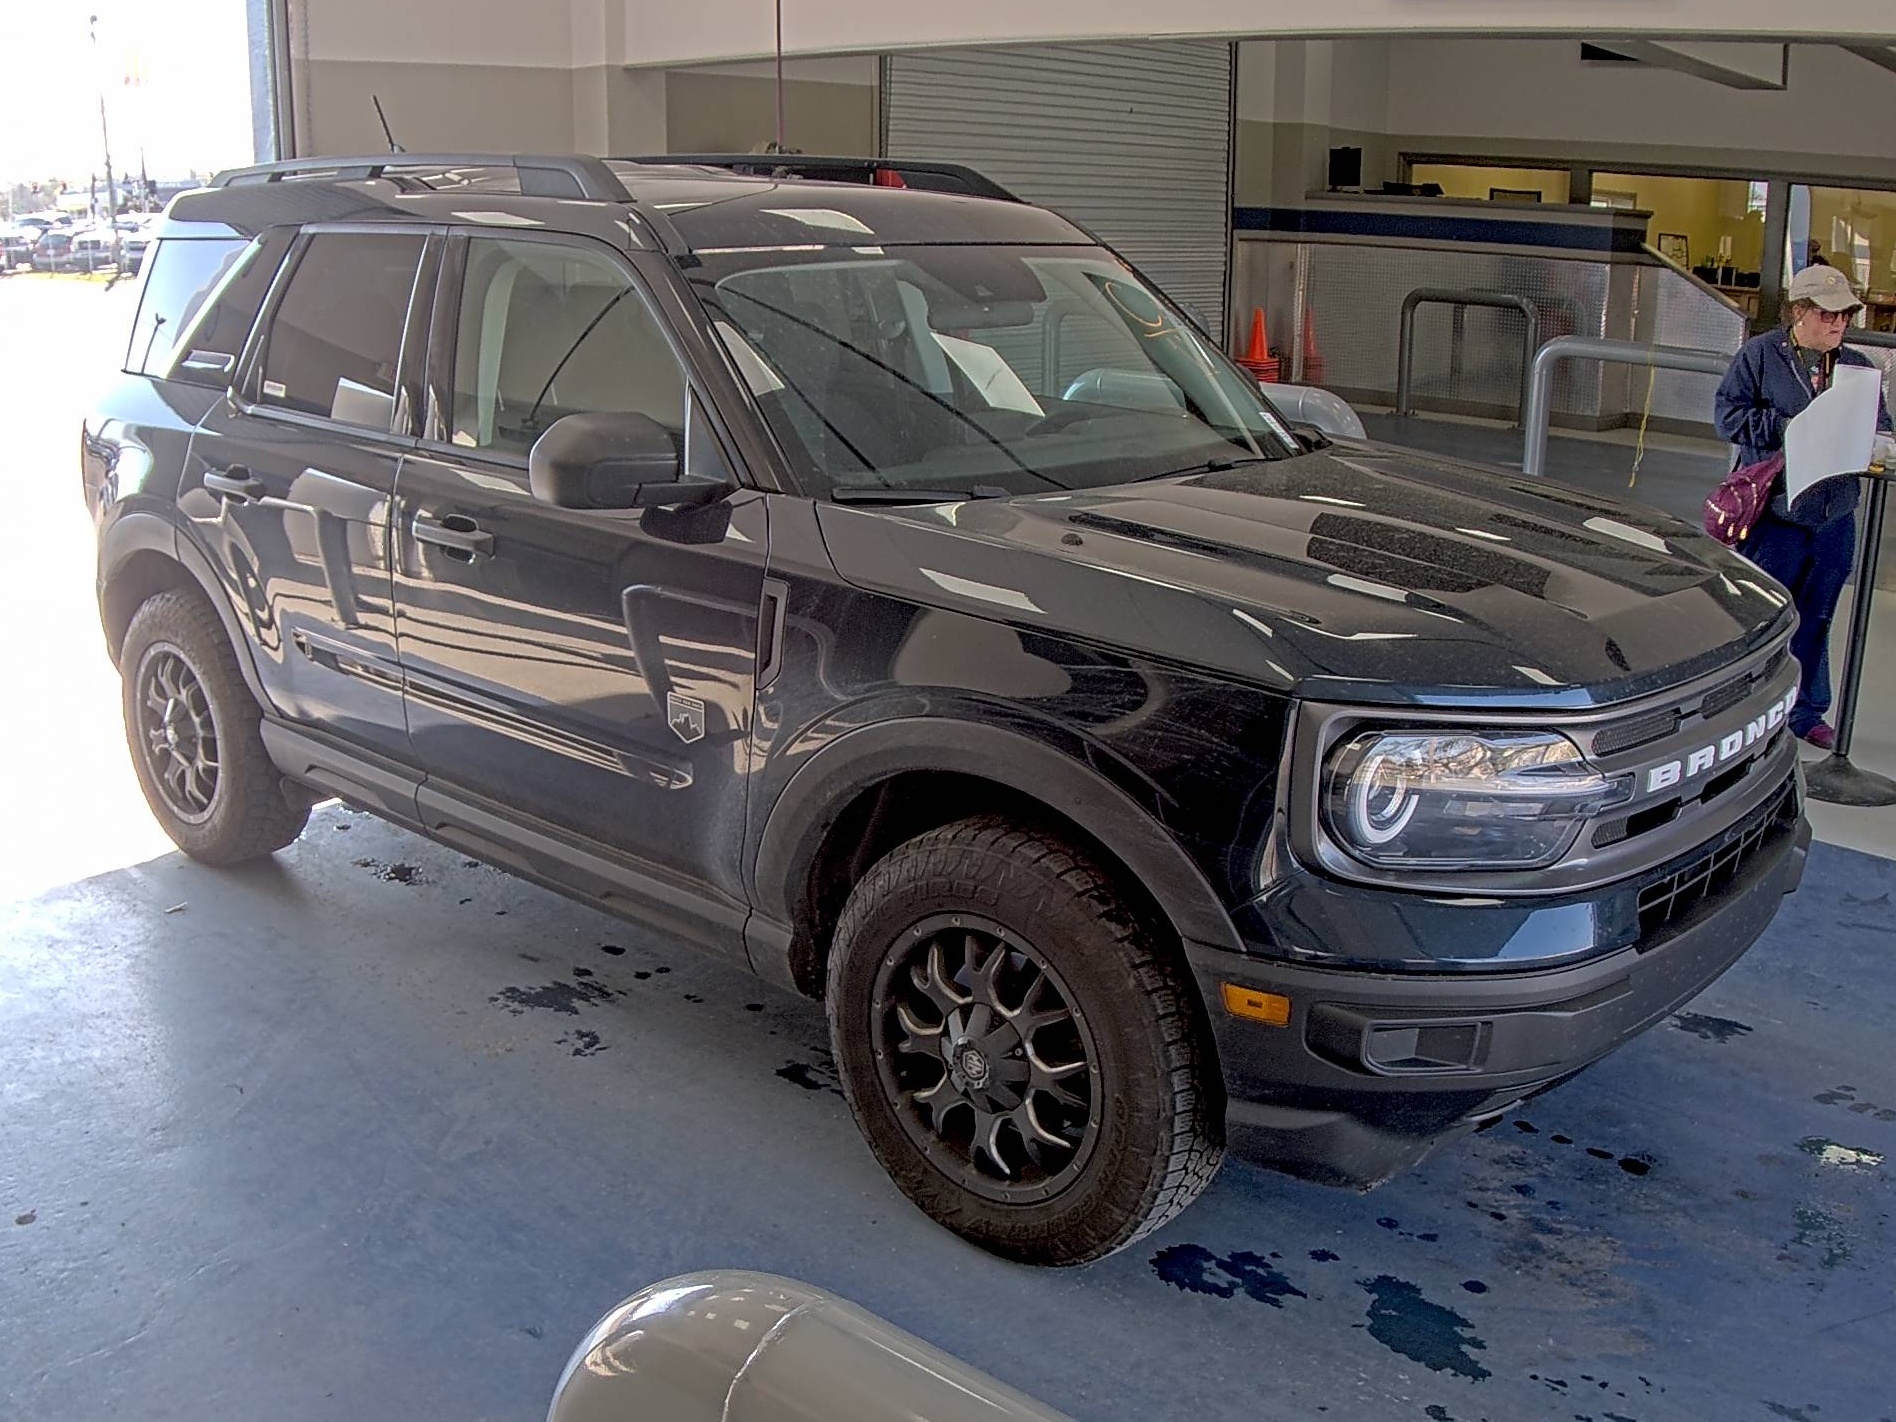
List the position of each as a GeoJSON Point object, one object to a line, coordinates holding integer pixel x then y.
{"type": "Point", "coordinates": [891, 591]}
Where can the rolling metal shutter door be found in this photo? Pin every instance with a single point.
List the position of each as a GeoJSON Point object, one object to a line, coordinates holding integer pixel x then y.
{"type": "Point", "coordinates": [1131, 140]}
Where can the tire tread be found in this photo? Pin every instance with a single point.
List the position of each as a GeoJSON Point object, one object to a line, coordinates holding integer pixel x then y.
{"type": "Point", "coordinates": [950, 858]}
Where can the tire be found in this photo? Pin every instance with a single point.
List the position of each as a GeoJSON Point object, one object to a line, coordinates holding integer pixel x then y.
{"type": "Point", "coordinates": [192, 727]}
{"type": "Point", "coordinates": [1084, 1038]}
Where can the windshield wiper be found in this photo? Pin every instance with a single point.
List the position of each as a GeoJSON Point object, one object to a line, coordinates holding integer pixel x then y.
{"type": "Point", "coordinates": [884, 494]}
{"type": "Point", "coordinates": [1215, 465]}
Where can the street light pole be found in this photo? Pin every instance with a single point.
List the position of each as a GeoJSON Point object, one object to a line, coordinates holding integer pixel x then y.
{"type": "Point", "coordinates": [105, 135]}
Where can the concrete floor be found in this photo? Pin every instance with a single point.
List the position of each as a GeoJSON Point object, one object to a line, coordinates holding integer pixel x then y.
{"type": "Point", "coordinates": [372, 1131]}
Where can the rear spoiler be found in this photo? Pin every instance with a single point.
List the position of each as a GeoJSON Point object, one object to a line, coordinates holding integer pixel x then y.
{"type": "Point", "coordinates": [923, 175]}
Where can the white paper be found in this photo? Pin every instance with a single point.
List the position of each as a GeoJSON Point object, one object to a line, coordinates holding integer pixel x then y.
{"type": "Point", "coordinates": [1835, 434]}
{"type": "Point", "coordinates": [990, 374]}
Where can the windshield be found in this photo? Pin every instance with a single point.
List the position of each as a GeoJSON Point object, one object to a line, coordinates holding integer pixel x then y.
{"type": "Point", "coordinates": [961, 371]}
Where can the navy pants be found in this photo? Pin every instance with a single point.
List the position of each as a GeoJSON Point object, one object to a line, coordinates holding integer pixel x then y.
{"type": "Point", "coordinates": [1814, 563]}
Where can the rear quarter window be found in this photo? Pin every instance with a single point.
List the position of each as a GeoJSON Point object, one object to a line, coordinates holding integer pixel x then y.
{"type": "Point", "coordinates": [180, 274]}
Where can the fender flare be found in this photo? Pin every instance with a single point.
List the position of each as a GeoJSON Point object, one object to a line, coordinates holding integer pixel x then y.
{"type": "Point", "coordinates": [138, 532]}
{"type": "Point", "coordinates": [815, 795]}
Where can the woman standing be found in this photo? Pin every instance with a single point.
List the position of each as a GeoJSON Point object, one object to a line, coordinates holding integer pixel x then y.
{"type": "Point", "coordinates": [1809, 546]}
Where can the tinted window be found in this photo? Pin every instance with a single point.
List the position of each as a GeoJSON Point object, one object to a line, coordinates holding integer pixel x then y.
{"type": "Point", "coordinates": [180, 276]}
{"type": "Point", "coordinates": [548, 330]}
{"type": "Point", "coordinates": [337, 334]}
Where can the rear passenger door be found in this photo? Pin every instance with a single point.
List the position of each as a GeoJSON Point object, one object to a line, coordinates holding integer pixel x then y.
{"type": "Point", "coordinates": [589, 670]}
{"type": "Point", "coordinates": [292, 477]}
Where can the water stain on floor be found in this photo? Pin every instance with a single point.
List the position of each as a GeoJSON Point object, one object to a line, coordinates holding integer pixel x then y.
{"type": "Point", "coordinates": [1846, 1097]}
{"type": "Point", "coordinates": [583, 1042]}
{"type": "Point", "coordinates": [1710, 1029]}
{"type": "Point", "coordinates": [1194, 1269]}
{"type": "Point", "coordinates": [553, 997]}
{"type": "Point", "coordinates": [392, 873]}
{"type": "Point", "coordinates": [1636, 1163]}
{"type": "Point", "coordinates": [1820, 1233]}
{"type": "Point", "coordinates": [1405, 1322]}
{"type": "Point", "coordinates": [812, 1076]}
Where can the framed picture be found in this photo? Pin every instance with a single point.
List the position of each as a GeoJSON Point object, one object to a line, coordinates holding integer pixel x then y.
{"type": "Point", "coordinates": [1514, 195]}
{"type": "Point", "coordinates": [1676, 247]}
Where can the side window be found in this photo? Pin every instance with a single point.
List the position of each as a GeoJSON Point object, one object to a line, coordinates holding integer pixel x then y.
{"type": "Point", "coordinates": [548, 330]}
{"type": "Point", "coordinates": [180, 276]}
{"type": "Point", "coordinates": [336, 336]}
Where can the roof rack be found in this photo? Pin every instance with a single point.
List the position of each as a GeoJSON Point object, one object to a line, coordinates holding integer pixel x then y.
{"type": "Point", "coordinates": [541, 175]}
{"type": "Point", "coordinates": [926, 175]}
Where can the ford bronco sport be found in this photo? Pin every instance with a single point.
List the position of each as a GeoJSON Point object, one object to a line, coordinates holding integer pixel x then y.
{"type": "Point", "coordinates": [892, 591]}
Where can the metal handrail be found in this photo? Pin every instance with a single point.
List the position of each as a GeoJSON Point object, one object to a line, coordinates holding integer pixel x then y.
{"type": "Point", "coordinates": [1456, 296]}
{"type": "Point", "coordinates": [566, 175]}
{"type": "Point", "coordinates": [1540, 395]}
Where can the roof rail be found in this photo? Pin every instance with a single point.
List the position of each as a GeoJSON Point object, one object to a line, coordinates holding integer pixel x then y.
{"type": "Point", "coordinates": [923, 174]}
{"type": "Point", "coordinates": [541, 175]}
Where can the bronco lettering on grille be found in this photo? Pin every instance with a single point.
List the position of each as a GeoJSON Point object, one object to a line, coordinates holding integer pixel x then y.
{"type": "Point", "coordinates": [1673, 772]}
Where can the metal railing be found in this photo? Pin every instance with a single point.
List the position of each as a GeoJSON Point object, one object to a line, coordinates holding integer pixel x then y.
{"type": "Point", "coordinates": [1540, 391]}
{"type": "Point", "coordinates": [1459, 297]}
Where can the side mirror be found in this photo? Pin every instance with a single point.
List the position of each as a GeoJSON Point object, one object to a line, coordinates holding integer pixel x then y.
{"type": "Point", "coordinates": [613, 461]}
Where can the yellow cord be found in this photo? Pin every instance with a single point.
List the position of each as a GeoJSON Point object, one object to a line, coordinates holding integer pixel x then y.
{"type": "Point", "coordinates": [1645, 418]}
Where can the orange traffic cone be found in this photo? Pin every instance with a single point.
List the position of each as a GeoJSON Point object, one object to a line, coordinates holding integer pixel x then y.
{"type": "Point", "coordinates": [1312, 359]}
{"type": "Point", "coordinates": [1258, 359]}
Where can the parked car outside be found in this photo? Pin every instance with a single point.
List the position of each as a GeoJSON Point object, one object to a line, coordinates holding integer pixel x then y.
{"type": "Point", "coordinates": [892, 591]}
{"type": "Point", "coordinates": [16, 246]}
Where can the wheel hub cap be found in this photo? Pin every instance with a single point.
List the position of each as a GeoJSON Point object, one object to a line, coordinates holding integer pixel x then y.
{"type": "Point", "coordinates": [973, 1068]}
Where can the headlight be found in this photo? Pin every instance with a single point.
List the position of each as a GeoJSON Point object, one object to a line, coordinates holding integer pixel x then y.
{"type": "Point", "coordinates": [1461, 800]}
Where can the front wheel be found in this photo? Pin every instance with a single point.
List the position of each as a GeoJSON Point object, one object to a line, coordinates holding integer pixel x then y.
{"type": "Point", "coordinates": [192, 726]}
{"type": "Point", "coordinates": [1022, 1056]}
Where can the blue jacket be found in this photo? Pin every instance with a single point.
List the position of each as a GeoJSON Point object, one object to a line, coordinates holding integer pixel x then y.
{"type": "Point", "coordinates": [1758, 396]}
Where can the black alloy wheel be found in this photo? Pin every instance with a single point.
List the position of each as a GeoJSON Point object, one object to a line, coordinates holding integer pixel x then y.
{"type": "Point", "coordinates": [977, 1038]}
{"type": "Point", "coordinates": [194, 732]}
{"type": "Point", "coordinates": [1023, 1051]}
{"type": "Point", "coordinates": [178, 733]}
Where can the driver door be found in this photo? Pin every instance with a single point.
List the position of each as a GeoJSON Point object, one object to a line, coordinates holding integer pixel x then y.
{"type": "Point", "coordinates": [585, 674]}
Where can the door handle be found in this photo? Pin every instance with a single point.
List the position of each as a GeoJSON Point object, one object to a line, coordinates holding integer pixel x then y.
{"type": "Point", "coordinates": [236, 483]}
{"type": "Point", "coordinates": [457, 533]}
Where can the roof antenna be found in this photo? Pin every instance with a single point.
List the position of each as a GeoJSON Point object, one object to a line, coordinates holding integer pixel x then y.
{"type": "Point", "coordinates": [779, 147]}
{"type": "Point", "coordinates": [393, 146]}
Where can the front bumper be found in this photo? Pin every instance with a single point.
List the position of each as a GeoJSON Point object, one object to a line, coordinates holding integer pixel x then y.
{"type": "Point", "coordinates": [1374, 1069]}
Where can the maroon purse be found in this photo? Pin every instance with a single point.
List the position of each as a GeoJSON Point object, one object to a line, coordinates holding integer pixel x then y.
{"type": "Point", "coordinates": [1735, 505]}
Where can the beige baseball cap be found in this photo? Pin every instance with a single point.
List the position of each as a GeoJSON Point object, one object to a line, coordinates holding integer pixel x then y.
{"type": "Point", "coordinates": [1825, 288]}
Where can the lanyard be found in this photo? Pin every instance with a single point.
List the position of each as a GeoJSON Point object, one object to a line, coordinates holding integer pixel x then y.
{"type": "Point", "coordinates": [1819, 376]}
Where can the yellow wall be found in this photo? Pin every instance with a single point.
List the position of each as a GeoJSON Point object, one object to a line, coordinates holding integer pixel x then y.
{"type": "Point", "coordinates": [1840, 215]}
{"type": "Point", "coordinates": [1702, 209]}
{"type": "Point", "coordinates": [1461, 181]}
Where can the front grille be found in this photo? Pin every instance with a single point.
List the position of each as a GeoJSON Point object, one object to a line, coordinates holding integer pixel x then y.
{"type": "Point", "coordinates": [1723, 698]}
{"type": "Point", "coordinates": [1674, 897]}
{"type": "Point", "coordinates": [1624, 736]}
{"type": "Point", "coordinates": [1644, 731]}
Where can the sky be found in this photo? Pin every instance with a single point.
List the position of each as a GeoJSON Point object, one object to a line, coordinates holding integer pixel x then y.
{"type": "Point", "coordinates": [187, 107]}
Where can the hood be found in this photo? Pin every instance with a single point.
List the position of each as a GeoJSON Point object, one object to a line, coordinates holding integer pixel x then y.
{"type": "Point", "coordinates": [1357, 573]}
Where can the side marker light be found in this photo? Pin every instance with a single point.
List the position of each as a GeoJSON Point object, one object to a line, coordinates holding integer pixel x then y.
{"type": "Point", "coordinates": [1272, 1009]}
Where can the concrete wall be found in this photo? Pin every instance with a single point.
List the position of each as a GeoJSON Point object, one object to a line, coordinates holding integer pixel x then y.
{"type": "Point", "coordinates": [1533, 101]}
{"type": "Point", "coordinates": [554, 77]}
{"type": "Point", "coordinates": [716, 111]}
{"type": "Point", "coordinates": [716, 29]}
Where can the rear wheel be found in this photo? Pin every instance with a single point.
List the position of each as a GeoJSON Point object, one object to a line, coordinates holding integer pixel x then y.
{"type": "Point", "coordinates": [1022, 1056]}
{"type": "Point", "coordinates": [192, 725]}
